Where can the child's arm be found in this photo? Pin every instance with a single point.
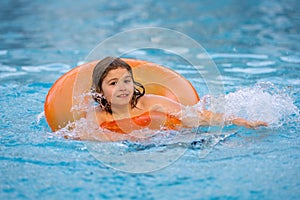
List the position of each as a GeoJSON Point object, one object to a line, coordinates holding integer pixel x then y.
{"type": "Point", "coordinates": [207, 118]}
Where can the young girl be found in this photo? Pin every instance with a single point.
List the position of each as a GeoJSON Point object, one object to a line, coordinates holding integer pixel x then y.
{"type": "Point", "coordinates": [124, 106]}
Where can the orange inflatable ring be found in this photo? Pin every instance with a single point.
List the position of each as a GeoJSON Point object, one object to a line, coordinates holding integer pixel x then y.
{"type": "Point", "coordinates": [64, 94]}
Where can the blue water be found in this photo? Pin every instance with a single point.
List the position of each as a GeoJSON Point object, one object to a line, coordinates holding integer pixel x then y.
{"type": "Point", "coordinates": [255, 46]}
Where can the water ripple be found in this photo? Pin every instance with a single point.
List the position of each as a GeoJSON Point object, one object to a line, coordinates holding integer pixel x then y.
{"type": "Point", "coordinates": [260, 64]}
{"type": "Point", "coordinates": [238, 56]}
{"type": "Point", "coordinates": [264, 70]}
{"type": "Point", "coordinates": [290, 59]}
{"type": "Point", "coordinates": [3, 52]}
{"type": "Point", "coordinates": [52, 67]}
{"type": "Point", "coordinates": [11, 74]}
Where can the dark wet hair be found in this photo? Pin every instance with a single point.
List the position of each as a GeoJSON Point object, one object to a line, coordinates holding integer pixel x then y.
{"type": "Point", "coordinates": [101, 70]}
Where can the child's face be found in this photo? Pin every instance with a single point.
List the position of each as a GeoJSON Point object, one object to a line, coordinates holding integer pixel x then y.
{"type": "Point", "coordinates": [118, 87]}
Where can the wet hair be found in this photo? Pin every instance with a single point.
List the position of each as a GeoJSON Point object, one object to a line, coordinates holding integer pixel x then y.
{"type": "Point", "coordinates": [102, 68]}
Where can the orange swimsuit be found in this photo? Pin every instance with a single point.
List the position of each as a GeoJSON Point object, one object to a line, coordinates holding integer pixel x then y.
{"type": "Point", "coordinates": [152, 120]}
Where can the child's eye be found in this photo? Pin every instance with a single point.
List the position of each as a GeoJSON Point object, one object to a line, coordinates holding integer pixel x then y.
{"type": "Point", "coordinates": [128, 81]}
{"type": "Point", "coordinates": [113, 83]}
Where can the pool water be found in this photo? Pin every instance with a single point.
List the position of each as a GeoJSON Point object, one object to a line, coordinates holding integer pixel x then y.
{"type": "Point", "coordinates": [255, 46]}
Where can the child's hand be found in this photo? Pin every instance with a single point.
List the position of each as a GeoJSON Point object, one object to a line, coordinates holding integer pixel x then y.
{"type": "Point", "coordinates": [248, 124]}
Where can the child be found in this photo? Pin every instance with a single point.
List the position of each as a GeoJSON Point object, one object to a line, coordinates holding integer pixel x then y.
{"type": "Point", "coordinates": [123, 105]}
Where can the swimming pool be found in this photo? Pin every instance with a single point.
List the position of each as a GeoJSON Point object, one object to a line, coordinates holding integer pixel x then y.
{"type": "Point", "coordinates": [255, 46]}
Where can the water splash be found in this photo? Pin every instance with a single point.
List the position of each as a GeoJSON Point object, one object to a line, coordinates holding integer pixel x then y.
{"type": "Point", "coordinates": [263, 102]}
{"type": "Point", "coordinates": [40, 117]}
{"type": "Point", "coordinates": [160, 149]}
